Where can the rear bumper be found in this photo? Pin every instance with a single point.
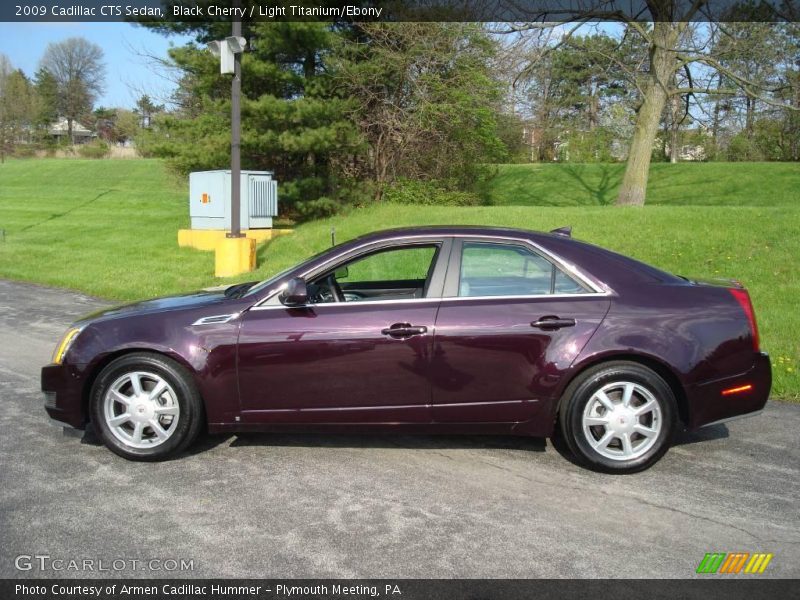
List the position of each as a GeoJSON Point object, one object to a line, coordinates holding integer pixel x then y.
{"type": "Point", "coordinates": [708, 405]}
{"type": "Point", "coordinates": [62, 388]}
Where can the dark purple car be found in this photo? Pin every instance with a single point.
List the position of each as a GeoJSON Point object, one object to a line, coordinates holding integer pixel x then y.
{"type": "Point", "coordinates": [446, 329]}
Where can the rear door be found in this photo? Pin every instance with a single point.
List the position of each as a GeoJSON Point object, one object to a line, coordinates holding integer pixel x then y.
{"type": "Point", "coordinates": [510, 324]}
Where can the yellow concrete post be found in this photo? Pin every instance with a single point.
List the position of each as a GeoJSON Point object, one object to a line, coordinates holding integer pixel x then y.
{"type": "Point", "coordinates": [206, 239]}
{"type": "Point", "coordinates": [233, 256]}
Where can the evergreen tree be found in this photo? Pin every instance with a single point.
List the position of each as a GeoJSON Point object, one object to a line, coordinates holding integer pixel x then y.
{"type": "Point", "coordinates": [47, 99]}
{"type": "Point", "coordinates": [332, 106]}
{"type": "Point", "coordinates": [292, 122]}
{"type": "Point", "coordinates": [16, 111]}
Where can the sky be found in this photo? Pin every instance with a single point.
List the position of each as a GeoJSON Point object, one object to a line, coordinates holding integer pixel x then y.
{"type": "Point", "coordinates": [128, 74]}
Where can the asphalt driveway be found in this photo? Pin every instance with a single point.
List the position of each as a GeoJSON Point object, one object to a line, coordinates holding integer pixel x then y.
{"type": "Point", "coordinates": [367, 506]}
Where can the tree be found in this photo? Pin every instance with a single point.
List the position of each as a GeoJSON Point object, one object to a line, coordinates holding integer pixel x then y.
{"type": "Point", "coordinates": [569, 92]}
{"type": "Point", "coordinates": [46, 88]}
{"type": "Point", "coordinates": [77, 67]}
{"type": "Point", "coordinates": [423, 97]}
{"type": "Point", "coordinates": [787, 117]}
{"type": "Point", "coordinates": [293, 123]}
{"type": "Point", "coordinates": [105, 123]}
{"type": "Point", "coordinates": [146, 109]}
{"type": "Point", "coordinates": [126, 126]}
{"type": "Point", "coordinates": [672, 49]}
{"type": "Point", "coordinates": [116, 125]}
{"type": "Point", "coordinates": [750, 52]}
{"type": "Point", "coordinates": [5, 68]}
{"type": "Point", "coordinates": [16, 110]}
{"type": "Point", "coordinates": [5, 118]}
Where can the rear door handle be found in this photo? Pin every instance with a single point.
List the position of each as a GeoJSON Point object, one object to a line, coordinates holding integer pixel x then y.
{"type": "Point", "coordinates": [552, 322]}
{"type": "Point", "coordinates": [404, 330]}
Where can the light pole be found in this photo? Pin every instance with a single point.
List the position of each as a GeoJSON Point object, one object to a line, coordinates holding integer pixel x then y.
{"type": "Point", "coordinates": [236, 130]}
{"type": "Point", "coordinates": [229, 51]}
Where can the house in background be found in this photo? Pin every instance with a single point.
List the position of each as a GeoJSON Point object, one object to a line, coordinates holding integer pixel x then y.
{"type": "Point", "coordinates": [60, 131]}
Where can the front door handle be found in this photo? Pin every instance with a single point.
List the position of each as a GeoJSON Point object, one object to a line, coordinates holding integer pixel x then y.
{"type": "Point", "coordinates": [552, 322]}
{"type": "Point", "coordinates": [404, 330]}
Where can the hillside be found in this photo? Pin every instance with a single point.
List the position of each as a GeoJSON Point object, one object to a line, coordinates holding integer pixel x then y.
{"type": "Point", "coordinates": [708, 184]}
{"type": "Point", "coordinates": [108, 228]}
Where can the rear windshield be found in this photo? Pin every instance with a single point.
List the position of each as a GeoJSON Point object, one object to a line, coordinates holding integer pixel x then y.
{"type": "Point", "coordinates": [574, 249]}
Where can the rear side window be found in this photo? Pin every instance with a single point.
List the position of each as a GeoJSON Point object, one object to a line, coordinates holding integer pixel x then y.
{"type": "Point", "coordinates": [490, 269]}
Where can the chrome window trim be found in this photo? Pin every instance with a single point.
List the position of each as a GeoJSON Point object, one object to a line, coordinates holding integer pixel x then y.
{"type": "Point", "coordinates": [444, 299]}
{"type": "Point", "coordinates": [528, 296]}
{"type": "Point", "coordinates": [569, 267]}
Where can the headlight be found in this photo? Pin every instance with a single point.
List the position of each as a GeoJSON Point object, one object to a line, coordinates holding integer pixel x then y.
{"type": "Point", "coordinates": [66, 342]}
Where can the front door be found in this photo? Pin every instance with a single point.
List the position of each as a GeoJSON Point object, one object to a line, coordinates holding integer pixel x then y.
{"type": "Point", "coordinates": [512, 324]}
{"type": "Point", "coordinates": [359, 352]}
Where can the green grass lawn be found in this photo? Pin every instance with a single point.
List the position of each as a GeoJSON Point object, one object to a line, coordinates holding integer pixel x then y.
{"type": "Point", "coordinates": [105, 227]}
{"type": "Point", "coordinates": [109, 228]}
{"type": "Point", "coordinates": [708, 184]}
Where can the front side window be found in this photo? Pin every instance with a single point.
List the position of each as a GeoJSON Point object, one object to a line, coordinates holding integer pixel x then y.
{"type": "Point", "coordinates": [397, 265]}
{"type": "Point", "coordinates": [390, 274]}
{"type": "Point", "coordinates": [490, 269]}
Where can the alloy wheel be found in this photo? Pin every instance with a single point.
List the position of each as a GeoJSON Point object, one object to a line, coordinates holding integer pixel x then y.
{"type": "Point", "coordinates": [141, 409]}
{"type": "Point", "coordinates": [622, 420]}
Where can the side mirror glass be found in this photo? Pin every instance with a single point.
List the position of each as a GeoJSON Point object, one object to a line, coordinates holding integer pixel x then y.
{"type": "Point", "coordinates": [341, 273]}
{"type": "Point", "coordinates": [295, 293]}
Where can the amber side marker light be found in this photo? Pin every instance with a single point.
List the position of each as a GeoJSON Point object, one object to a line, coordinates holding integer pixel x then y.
{"type": "Point", "coordinates": [64, 344]}
{"type": "Point", "coordinates": [737, 390]}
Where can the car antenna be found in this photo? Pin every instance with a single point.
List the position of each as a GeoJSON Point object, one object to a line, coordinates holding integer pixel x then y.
{"type": "Point", "coordinates": [333, 236]}
{"type": "Point", "coordinates": [565, 231]}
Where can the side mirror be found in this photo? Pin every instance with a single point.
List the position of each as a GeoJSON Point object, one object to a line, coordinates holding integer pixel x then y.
{"type": "Point", "coordinates": [341, 273]}
{"type": "Point", "coordinates": [295, 293]}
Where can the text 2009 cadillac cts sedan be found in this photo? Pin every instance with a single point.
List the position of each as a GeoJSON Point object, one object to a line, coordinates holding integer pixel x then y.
{"type": "Point", "coordinates": [447, 329]}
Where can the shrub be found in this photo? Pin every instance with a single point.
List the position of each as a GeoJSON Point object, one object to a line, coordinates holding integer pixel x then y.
{"type": "Point", "coordinates": [427, 193]}
{"type": "Point", "coordinates": [95, 149]}
{"type": "Point", "coordinates": [24, 151]}
{"type": "Point", "coordinates": [320, 208]}
{"type": "Point", "coordinates": [742, 148]}
{"type": "Point", "coordinates": [589, 146]}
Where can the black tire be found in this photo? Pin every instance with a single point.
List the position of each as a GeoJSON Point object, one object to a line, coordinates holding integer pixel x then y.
{"type": "Point", "coordinates": [581, 391]}
{"type": "Point", "coordinates": [191, 413]}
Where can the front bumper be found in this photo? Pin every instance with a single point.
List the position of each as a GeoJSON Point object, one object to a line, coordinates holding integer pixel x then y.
{"type": "Point", "coordinates": [707, 404]}
{"type": "Point", "coordinates": [62, 386]}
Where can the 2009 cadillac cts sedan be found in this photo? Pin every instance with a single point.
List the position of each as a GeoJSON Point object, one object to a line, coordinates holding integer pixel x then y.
{"type": "Point", "coordinates": [446, 329]}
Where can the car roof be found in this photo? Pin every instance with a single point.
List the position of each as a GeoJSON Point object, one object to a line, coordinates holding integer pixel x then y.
{"type": "Point", "coordinates": [452, 230]}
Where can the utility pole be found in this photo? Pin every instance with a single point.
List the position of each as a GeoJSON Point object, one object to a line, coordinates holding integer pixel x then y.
{"type": "Point", "coordinates": [236, 130]}
{"type": "Point", "coordinates": [235, 253]}
{"type": "Point", "coordinates": [230, 51]}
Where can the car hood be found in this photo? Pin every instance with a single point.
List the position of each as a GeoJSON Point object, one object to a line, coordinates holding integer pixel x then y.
{"type": "Point", "coordinates": [158, 305]}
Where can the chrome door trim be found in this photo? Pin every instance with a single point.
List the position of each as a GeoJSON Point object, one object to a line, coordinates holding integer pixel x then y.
{"type": "Point", "coordinates": [354, 253]}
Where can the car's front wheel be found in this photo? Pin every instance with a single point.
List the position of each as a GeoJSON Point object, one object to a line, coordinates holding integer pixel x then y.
{"type": "Point", "coordinates": [145, 407]}
{"type": "Point", "coordinates": [618, 417]}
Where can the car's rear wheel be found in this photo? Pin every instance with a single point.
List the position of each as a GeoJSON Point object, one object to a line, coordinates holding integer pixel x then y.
{"type": "Point", "coordinates": [146, 407]}
{"type": "Point", "coordinates": [618, 417]}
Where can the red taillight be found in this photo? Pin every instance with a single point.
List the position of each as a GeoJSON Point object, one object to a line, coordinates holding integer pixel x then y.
{"type": "Point", "coordinates": [743, 298]}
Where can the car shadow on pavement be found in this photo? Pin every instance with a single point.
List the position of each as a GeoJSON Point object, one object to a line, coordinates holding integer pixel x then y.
{"type": "Point", "coordinates": [704, 434]}
{"type": "Point", "coordinates": [209, 441]}
{"type": "Point", "coordinates": [681, 438]}
{"type": "Point", "coordinates": [389, 440]}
